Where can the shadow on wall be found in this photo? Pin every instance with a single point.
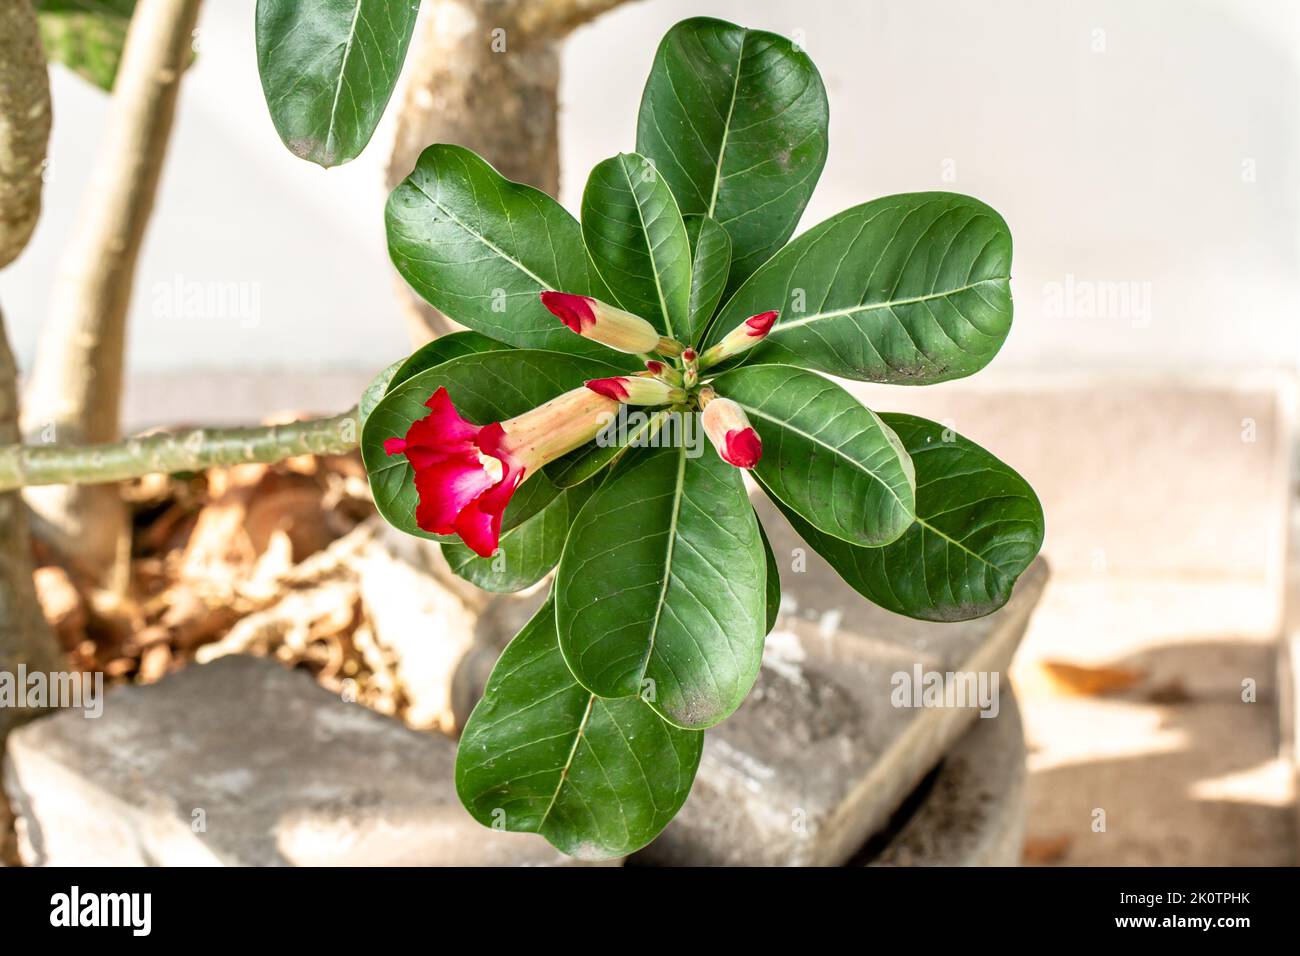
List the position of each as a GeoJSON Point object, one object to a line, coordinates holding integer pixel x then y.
{"type": "Point", "coordinates": [1199, 782]}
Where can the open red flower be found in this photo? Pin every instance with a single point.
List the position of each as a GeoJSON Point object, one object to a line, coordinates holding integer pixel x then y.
{"type": "Point", "coordinates": [466, 474]}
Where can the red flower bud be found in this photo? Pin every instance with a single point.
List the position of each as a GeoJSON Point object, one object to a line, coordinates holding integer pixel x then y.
{"type": "Point", "coordinates": [740, 339]}
{"type": "Point", "coordinates": [728, 428]}
{"type": "Point", "coordinates": [637, 390]}
{"type": "Point", "coordinates": [602, 323]}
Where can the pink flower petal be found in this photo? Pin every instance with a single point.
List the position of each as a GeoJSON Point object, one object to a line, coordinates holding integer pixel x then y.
{"type": "Point", "coordinates": [479, 524]}
{"type": "Point", "coordinates": [446, 488]}
{"type": "Point", "coordinates": [614, 388]}
{"type": "Point", "coordinates": [574, 311]}
{"type": "Point", "coordinates": [744, 448]}
{"type": "Point", "coordinates": [759, 325]}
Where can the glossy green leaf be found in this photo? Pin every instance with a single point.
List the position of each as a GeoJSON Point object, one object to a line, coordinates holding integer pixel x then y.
{"type": "Point", "coordinates": [773, 590]}
{"type": "Point", "coordinates": [373, 392]}
{"type": "Point", "coordinates": [442, 349]}
{"type": "Point", "coordinates": [527, 551]}
{"type": "Point", "coordinates": [485, 387]}
{"type": "Point", "coordinates": [660, 591]}
{"type": "Point", "coordinates": [735, 120]}
{"type": "Point", "coordinates": [710, 263]}
{"type": "Point", "coordinates": [978, 527]}
{"type": "Point", "coordinates": [328, 69]}
{"type": "Point", "coordinates": [910, 289]}
{"type": "Point", "coordinates": [86, 36]}
{"type": "Point", "coordinates": [826, 455]}
{"type": "Point", "coordinates": [638, 242]}
{"type": "Point", "coordinates": [541, 754]}
{"type": "Point", "coordinates": [481, 248]}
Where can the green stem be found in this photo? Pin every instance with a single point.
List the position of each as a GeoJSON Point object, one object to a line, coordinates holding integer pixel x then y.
{"type": "Point", "coordinates": [191, 450]}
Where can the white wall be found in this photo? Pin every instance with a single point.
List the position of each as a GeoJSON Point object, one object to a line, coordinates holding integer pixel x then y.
{"type": "Point", "coordinates": [1150, 144]}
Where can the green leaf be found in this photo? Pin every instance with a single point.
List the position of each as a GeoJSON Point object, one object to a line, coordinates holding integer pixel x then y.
{"type": "Point", "coordinates": [373, 392]}
{"type": "Point", "coordinates": [86, 36]}
{"type": "Point", "coordinates": [442, 349]}
{"type": "Point", "coordinates": [735, 120]}
{"type": "Point", "coordinates": [527, 551]}
{"type": "Point", "coordinates": [660, 591]}
{"type": "Point", "coordinates": [826, 455]}
{"type": "Point", "coordinates": [481, 248]}
{"type": "Point", "coordinates": [710, 262]}
{"type": "Point", "coordinates": [773, 590]}
{"type": "Point", "coordinates": [328, 70]}
{"type": "Point", "coordinates": [540, 754]}
{"type": "Point", "coordinates": [910, 289]}
{"type": "Point", "coordinates": [485, 387]}
{"type": "Point", "coordinates": [978, 527]}
{"type": "Point", "coordinates": [638, 242]}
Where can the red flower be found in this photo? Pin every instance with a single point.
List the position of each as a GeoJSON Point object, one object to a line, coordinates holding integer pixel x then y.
{"type": "Point", "coordinates": [465, 474]}
{"type": "Point", "coordinates": [463, 478]}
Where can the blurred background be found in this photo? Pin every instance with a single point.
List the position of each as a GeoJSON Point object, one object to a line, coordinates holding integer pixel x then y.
{"type": "Point", "coordinates": [1145, 155]}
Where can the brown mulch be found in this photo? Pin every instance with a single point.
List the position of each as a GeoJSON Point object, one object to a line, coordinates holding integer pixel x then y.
{"type": "Point", "coordinates": [237, 560]}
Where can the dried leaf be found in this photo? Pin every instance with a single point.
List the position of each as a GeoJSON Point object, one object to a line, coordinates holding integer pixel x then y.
{"type": "Point", "coordinates": [1045, 850]}
{"type": "Point", "coordinates": [1083, 681]}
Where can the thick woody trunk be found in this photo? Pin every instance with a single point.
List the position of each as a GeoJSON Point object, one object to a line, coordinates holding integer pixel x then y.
{"type": "Point", "coordinates": [76, 386]}
{"type": "Point", "coordinates": [485, 75]}
{"type": "Point", "coordinates": [25, 639]}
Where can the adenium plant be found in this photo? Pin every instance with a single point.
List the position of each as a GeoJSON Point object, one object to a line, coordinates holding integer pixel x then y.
{"type": "Point", "coordinates": [563, 432]}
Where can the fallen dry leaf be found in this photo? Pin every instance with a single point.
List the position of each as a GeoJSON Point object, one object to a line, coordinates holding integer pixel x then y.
{"type": "Point", "coordinates": [1045, 850]}
{"type": "Point", "coordinates": [1075, 679]}
{"type": "Point", "coordinates": [62, 603]}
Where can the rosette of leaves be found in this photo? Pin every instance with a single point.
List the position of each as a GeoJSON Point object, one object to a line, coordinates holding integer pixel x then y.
{"type": "Point", "coordinates": [591, 725]}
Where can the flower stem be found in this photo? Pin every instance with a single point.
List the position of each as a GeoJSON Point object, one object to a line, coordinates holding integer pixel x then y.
{"type": "Point", "coordinates": [669, 347]}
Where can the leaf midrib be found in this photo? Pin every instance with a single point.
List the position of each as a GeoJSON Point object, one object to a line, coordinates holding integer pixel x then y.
{"type": "Point", "coordinates": [678, 492]}
{"type": "Point", "coordinates": [726, 126]}
{"type": "Point", "coordinates": [482, 238]}
{"type": "Point", "coordinates": [573, 752]}
{"type": "Point", "coordinates": [890, 304]}
{"type": "Point", "coordinates": [343, 65]}
{"type": "Point", "coordinates": [650, 249]}
{"type": "Point", "coordinates": [839, 453]}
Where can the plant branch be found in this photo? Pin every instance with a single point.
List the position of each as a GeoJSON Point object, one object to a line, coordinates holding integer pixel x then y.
{"type": "Point", "coordinates": [190, 450]}
{"type": "Point", "coordinates": [494, 93]}
{"type": "Point", "coordinates": [74, 391]}
{"type": "Point", "coordinates": [560, 17]}
{"type": "Point", "coordinates": [24, 127]}
{"type": "Point", "coordinates": [25, 637]}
